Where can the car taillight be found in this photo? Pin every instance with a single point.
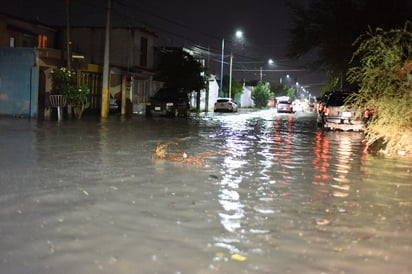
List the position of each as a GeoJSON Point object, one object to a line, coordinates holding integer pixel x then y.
{"type": "Point", "coordinates": [230, 103]}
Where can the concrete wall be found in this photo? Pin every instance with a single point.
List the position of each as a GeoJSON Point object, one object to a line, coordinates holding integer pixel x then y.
{"type": "Point", "coordinates": [246, 97]}
{"type": "Point", "coordinates": [213, 95]}
{"type": "Point", "coordinates": [18, 82]}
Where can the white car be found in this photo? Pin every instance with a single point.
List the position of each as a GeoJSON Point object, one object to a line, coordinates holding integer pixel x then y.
{"type": "Point", "coordinates": [297, 106]}
{"type": "Point", "coordinates": [114, 104]}
{"type": "Point", "coordinates": [336, 115]}
{"type": "Point", "coordinates": [284, 106]}
{"type": "Point", "coordinates": [225, 105]}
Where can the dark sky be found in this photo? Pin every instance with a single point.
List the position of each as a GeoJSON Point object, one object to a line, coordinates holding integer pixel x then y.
{"type": "Point", "coordinates": [197, 24]}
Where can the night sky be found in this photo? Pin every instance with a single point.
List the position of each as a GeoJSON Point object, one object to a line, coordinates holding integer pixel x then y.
{"type": "Point", "coordinates": [195, 25]}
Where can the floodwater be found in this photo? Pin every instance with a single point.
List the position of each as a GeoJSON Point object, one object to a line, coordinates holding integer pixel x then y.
{"type": "Point", "coordinates": [274, 195]}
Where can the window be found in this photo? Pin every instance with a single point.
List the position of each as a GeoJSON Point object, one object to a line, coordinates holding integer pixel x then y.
{"type": "Point", "coordinates": [42, 41]}
{"type": "Point", "coordinates": [29, 41]}
{"type": "Point", "coordinates": [143, 51]}
{"type": "Point", "coordinates": [12, 42]}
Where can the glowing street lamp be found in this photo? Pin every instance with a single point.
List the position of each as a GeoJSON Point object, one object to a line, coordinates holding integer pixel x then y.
{"type": "Point", "coordinates": [270, 62]}
{"type": "Point", "coordinates": [288, 80]}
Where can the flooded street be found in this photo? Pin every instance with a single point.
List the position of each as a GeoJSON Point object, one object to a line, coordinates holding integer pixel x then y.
{"type": "Point", "coordinates": [276, 195]}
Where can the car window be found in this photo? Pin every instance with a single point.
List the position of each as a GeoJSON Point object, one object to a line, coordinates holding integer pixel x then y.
{"type": "Point", "coordinates": [170, 94]}
{"type": "Point", "coordinates": [337, 99]}
{"type": "Point", "coordinates": [283, 102]}
{"type": "Point", "coordinates": [223, 100]}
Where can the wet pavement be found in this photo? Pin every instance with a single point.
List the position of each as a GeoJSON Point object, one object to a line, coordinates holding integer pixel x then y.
{"type": "Point", "coordinates": [88, 197]}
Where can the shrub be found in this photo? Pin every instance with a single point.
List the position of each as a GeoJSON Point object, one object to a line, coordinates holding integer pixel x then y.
{"type": "Point", "coordinates": [385, 80]}
{"type": "Point", "coordinates": [261, 94]}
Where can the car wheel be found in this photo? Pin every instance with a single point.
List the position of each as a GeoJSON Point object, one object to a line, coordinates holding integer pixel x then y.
{"type": "Point", "coordinates": [173, 113]}
{"type": "Point", "coordinates": [148, 113]}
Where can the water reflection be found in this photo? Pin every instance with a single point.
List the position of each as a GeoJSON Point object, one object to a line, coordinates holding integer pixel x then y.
{"type": "Point", "coordinates": [285, 198]}
{"type": "Point", "coordinates": [278, 168]}
{"type": "Point", "coordinates": [256, 174]}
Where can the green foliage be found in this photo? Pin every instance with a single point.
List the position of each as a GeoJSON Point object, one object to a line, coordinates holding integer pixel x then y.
{"type": "Point", "coordinates": [283, 90]}
{"type": "Point", "coordinates": [78, 96]}
{"type": "Point", "coordinates": [64, 82]}
{"type": "Point", "coordinates": [385, 80]}
{"type": "Point", "coordinates": [261, 94]}
{"type": "Point", "coordinates": [291, 93]}
{"type": "Point", "coordinates": [280, 90]}
{"type": "Point", "coordinates": [178, 69]}
{"type": "Point", "coordinates": [237, 88]}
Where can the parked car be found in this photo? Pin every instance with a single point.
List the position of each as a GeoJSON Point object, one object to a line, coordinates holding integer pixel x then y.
{"type": "Point", "coordinates": [297, 106]}
{"type": "Point", "coordinates": [334, 114]}
{"type": "Point", "coordinates": [170, 102]}
{"type": "Point", "coordinates": [114, 104]}
{"type": "Point", "coordinates": [284, 106]}
{"type": "Point", "coordinates": [225, 105]}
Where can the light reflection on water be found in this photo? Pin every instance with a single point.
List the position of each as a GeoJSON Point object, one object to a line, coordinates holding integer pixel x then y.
{"type": "Point", "coordinates": [290, 185]}
{"type": "Point", "coordinates": [286, 196]}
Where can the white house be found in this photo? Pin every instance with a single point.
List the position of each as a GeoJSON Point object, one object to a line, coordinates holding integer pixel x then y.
{"type": "Point", "coordinates": [213, 94]}
{"type": "Point", "coordinates": [246, 97]}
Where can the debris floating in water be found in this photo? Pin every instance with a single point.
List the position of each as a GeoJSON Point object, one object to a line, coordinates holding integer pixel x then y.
{"type": "Point", "coordinates": [161, 152]}
{"type": "Point", "coordinates": [237, 257]}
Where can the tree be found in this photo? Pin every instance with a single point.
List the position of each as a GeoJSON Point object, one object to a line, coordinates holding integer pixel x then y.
{"type": "Point", "coordinates": [237, 88]}
{"type": "Point", "coordinates": [291, 93]}
{"type": "Point", "coordinates": [261, 94]}
{"type": "Point", "coordinates": [178, 69]}
{"type": "Point", "coordinates": [385, 80]}
{"type": "Point", "coordinates": [280, 90]}
{"type": "Point", "coordinates": [328, 28]}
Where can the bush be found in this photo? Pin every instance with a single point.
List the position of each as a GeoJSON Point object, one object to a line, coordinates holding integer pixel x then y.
{"type": "Point", "coordinates": [385, 80]}
{"type": "Point", "coordinates": [261, 94]}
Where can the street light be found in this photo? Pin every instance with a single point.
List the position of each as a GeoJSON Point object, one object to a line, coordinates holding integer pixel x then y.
{"type": "Point", "coordinates": [239, 35]}
{"type": "Point", "coordinates": [281, 79]}
{"type": "Point", "coordinates": [270, 62]}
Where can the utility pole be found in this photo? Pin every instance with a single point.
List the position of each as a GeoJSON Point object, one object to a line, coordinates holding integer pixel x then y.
{"type": "Point", "coordinates": [124, 88]}
{"type": "Point", "coordinates": [106, 66]}
{"type": "Point", "coordinates": [68, 37]}
{"type": "Point", "coordinates": [221, 69]}
{"type": "Point", "coordinates": [230, 76]}
{"type": "Point", "coordinates": [207, 82]}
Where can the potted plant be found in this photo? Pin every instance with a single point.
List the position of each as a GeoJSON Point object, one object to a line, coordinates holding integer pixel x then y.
{"type": "Point", "coordinates": [64, 82]}
{"type": "Point", "coordinates": [78, 98]}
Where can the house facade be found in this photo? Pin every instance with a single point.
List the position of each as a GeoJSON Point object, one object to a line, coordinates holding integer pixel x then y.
{"type": "Point", "coordinates": [29, 51]}
{"type": "Point", "coordinates": [26, 53]}
{"type": "Point", "coordinates": [131, 57]}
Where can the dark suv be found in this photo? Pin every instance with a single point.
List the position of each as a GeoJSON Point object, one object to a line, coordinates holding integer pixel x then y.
{"type": "Point", "coordinates": [335, 114]}
{"type": "Point", "coordinates": [171, 102]}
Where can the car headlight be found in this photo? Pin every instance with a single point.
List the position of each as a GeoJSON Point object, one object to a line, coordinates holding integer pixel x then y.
{"type": "Point", "coordinates": [169, 104]}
